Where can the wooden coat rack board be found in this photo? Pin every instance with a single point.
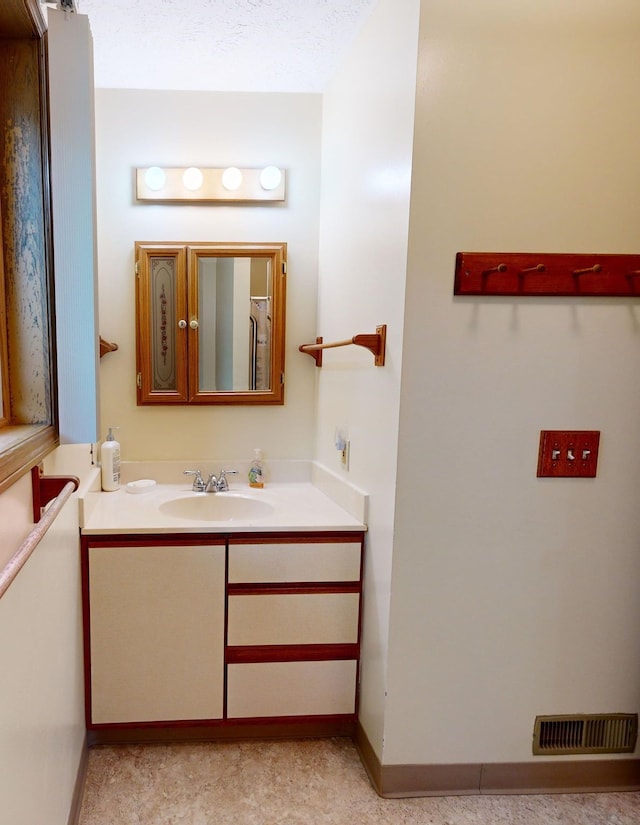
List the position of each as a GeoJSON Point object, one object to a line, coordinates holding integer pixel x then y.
{"type": "Point", "coordinates": [374, 342]}
{"type": "Point", "coordinates": [528, 274]}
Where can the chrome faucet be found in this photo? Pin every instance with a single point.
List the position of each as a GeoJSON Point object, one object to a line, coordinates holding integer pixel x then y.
{"type": "Point", "coordinates": [219, 484]}
{"type": "Point", "coordinates": [199, 484]}
{"type": "Point", "coordinates": [214, 484]}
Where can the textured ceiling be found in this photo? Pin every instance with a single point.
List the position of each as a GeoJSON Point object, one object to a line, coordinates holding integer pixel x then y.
{"type": "Point", "coordinates": [221, 45]}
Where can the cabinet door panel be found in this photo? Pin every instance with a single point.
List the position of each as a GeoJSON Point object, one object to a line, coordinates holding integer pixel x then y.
{"type": "Point", "coordinates": [161, 310]}
{"type": "Point", "coordinates": [156, 632]}
{"type": "Point", "coordinates": [337, 561]}
{"type": "Point", "coordinates": [291, 688]}
{"type": "Point", "coordinates": [293, 619]}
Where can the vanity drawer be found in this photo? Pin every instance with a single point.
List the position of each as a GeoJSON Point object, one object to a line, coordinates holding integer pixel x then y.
{"type": "Point", "coordinates": [291, 688]}
{"type": "Point", "coordinates": [295, 562]}
{"type": "Point", "coordinates": [293, 619]}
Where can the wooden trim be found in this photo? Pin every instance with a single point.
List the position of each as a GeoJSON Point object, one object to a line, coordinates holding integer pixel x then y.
{"type": "Point", "coordinates": [19, 459]}
{"type": "Point", "coordinates": [243, 654]}
{"type": "Point", "coordinates": [308, 537]}
{"type": "Point", "coordinates": [86, 628]}
{"type": "Point", "coordinates": [22, 18]}
{"type": "Point", "coordinates": [285, 727]}
{"type": "Point", "coordinates": [289, 588]}
{"type": "Point", "coordinates": [151, 539]}
{"type": "Point", "coordinates": [78, 788]}
{"type": "Point", "coordinates": [559, 776]}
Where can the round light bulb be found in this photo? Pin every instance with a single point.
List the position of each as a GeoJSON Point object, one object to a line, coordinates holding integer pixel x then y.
{"type": "Point", "coordinates": [270, 177]}
{"type": "Point", "coordinates": [155, 178]}
{"type": "Point", "coordinates": [192, 178]}
{"type": "Point", "coordinates": [232, 178]}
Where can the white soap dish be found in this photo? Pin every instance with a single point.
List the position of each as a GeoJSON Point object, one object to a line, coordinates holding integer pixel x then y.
{"type": "Point", "coordinates": [143, 485]}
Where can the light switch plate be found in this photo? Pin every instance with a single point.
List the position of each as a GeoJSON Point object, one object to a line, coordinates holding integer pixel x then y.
{"type": "Point", "coordinates": [568, 453]}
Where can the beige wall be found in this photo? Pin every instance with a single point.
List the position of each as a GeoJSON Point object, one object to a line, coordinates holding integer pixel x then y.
{"type": "Point", "coordinates": [42, 727]}
{"type": "Point", "coordinates": [514, 596]}
{"type": "Point", "coordinates": [366, 171]}
{"type": "Point", "coordinates": [137, 128]}
{"type": "Point", "coordinates": [16, 517]}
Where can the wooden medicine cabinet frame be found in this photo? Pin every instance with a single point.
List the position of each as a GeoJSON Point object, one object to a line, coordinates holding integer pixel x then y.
{"type": "Point", "coordinates": [169, 322]}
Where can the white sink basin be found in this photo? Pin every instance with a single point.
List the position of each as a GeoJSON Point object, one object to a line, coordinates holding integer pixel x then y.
{"type": "Point", "coordinates": [215, 507]}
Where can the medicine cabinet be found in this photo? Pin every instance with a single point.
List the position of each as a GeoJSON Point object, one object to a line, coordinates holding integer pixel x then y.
{"type": "Point", "coordinates": [210, 323]}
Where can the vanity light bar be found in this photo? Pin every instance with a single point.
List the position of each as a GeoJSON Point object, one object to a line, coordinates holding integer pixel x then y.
{"type": "Point", "coordinates": [193, 183]}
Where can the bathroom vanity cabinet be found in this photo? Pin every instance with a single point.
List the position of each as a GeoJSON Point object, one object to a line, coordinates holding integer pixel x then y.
{"type": "Point", "coordinates": [221, 635]}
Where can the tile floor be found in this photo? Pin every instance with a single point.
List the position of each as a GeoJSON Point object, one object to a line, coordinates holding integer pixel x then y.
{"type": "Point", "coordinates": [308, 782]}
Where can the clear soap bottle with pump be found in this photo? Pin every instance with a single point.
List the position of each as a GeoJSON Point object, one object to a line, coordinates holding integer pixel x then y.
{"type": "Point", "coordinates": [110, 462]}
{"type": "Point", "coordinates": [256, 471]}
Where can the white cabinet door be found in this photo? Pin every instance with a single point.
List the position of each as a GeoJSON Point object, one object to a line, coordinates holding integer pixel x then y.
{"type": "Point", "coordinates": [294, 619]}
{"type": "Point", "coordinates": [294, 561]}
{"type": "Point", "coordinates": [291, 688]}
{"type": "Point", "coordinates": [156, 633]}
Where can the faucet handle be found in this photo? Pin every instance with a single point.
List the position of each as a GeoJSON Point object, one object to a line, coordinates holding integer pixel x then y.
{"type": "Point", "coordinates": [198, 482]}
{"type": "Point", "coordinates": [223, 484]}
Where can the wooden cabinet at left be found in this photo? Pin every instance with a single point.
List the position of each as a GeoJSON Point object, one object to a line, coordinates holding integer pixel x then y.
{"type": "Point", "coordinates": [156, 631]}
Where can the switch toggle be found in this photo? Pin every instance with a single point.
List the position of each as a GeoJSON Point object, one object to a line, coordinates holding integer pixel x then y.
{"type": "Point", "coordinates": [568, 453]}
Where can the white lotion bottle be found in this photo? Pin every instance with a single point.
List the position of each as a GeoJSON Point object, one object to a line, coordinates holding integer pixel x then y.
{"type": "Point", "coordinates": [110, 462]}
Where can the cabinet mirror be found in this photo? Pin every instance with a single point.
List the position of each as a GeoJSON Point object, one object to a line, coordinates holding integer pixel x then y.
{"type": "Point", "coordinates": [210, 323]}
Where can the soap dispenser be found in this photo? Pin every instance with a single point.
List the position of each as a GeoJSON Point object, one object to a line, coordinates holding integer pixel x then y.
{"type": "Point", "coordinates": [256, 471]}
{"type": "Point", "coordinates": [110, 461]}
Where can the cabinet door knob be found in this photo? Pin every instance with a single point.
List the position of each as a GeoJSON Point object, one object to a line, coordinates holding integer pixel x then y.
{"type": "Point", "coordinates": [193, 323]}
{"type": "Point", "coordinates": [182, 323]}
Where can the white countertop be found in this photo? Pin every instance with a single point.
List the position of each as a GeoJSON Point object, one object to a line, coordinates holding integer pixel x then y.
{"type": "Point", "coordinates": [297, 506]}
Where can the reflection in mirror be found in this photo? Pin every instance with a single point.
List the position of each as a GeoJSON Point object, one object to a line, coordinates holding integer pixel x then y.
{"type": "Point", "coordinates": [234, 323]}
{"type": "Point", "coordinates": [210, 323]}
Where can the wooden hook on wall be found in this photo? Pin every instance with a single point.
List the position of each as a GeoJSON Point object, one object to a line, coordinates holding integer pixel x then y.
{"type": "Point", "coordinates": [587, 269]}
